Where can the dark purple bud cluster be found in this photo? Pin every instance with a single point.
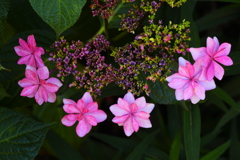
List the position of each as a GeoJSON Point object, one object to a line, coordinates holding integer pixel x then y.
{"type": "Point", "coordinates": [103, 7]}
{"type": "Point", "coordinates": [95, 74]}
{"type": "Point", "coordinates": [131, 21]}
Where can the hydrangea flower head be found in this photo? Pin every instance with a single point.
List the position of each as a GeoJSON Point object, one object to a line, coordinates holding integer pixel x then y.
{"type": "Point", "coordinates": [187, 82]}
{"type": "Point", "coordinates": [85, 111]}
{"type": "Point", "coordinates": [210, 55]}
{"type": "Point", "coordinates": [30, 53]}
{"type": "Point", "coordinates": [131, 113]}
{"type": "Point", "coordinates": [36, 84]}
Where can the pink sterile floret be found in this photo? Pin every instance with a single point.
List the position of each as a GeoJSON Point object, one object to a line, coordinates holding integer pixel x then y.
{"type": "Point", "coordinates": [131, 113]}
{"type": "Point", "coordinates": [210, 55]}
{"type": "Point", "coordinates": [36, 84]}
{"type": "Point", "coordinates": [187, 82]}
{"type": "Point", "coordinates": [85, 111]}
{"type": "Point", "coordinates": [30, 53]}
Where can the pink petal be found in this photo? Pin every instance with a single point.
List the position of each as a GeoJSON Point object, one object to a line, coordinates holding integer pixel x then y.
{"type": "Point", "coordinates": [120, 119]}
{"type": "Point", "coordinates": [32, 61]}
{"type": "Point", "coordinates": [174, 76]}
{"type": "Point", "coordinates": [33, 94]}
{"type": "Point", "coordinates": [22, 51]}
{"type": "Point", "coordinates": [39, 61]}
{"type": "Point", "coordinates": [129, 98]}
{"type": "Point", "coordinates": [99, 115]}
{"type": "Point", "coordinates": [218, 71]}
{"type": "Point", "coordinates": [42, 93]}
{"type": "Point", "coordinates": [31, 42]}
{"type": "Point", "coordinates": [65, 121]}
{"type": "Point", "coordinates": [41, 96]}
{"type": "Point", "coordinates": [140, 102]}
{"type": "Point", "coordinates": [225, 60]}
{"type": "Point", "coordinates": [208, 85]}
{"type": "Point", "coordinates": [179, 94]}
{"type": "Point", "coordinates": [133, 107]}
{"type": "Point", "coordinates": [184, 72]}
{"type": "Point", "coordinates": [198, 52]}
{"type": "Point", "coordinates": [54, 81]}
{"type": "Point", "coordinates": [123, 104]}
{"type": "Point", "coordinates": [142, 114]}
{"type": "Point", "coordinates": [87, 98]}
{"type": "Point", "coordinates": [69, 101]}
{"type": "Point", "coordinates": [135, 124]}
{"type": "Point", "coordinates": [43, 72]}
{"type": "Point", "coordinates": [80, 105]}
{"type": "Point", "coordinates": [182, 62]}
{"type": "Point", "coordinates": [24, 44]}
{"type": "Point", "coordinates": [216, 46]}
{"type": "Point", "coordinates": [188, 92]}
{"type": "Point", "coordinates": [39, 51]}
{"type": "Point", "coordinates": [199, 91]}
{"type": "Point", "coordinates": [223, 50]}
{"type": "Point", "coordinates": [144, 123]}
{"type": "Point", "coordinates": [210, 46]}
{"type": "Point", "coordinates": [178, 83]}
{"type": "Point", "coordinates": [26, 82]}
{"type": "Point", "coordinates": [210, 71]}
{"type": "Point", "coordinates": [69, 108]}
{"type": "Point", "coordinates": [92, 107]}
{"type": "Point", "coordinates": [195, 99]}
{"type": "Point", "coordinates": [91, 120]}
{"type": "Point", "coordinates": [24, 60]}
{"type": "Point", "coordinates": [83, 128]}
{"type": "Point", "coordinates": [118, 111]}
{"type": "Point", "coordinates": [28, 90]}
{"type": "Point", "coordinates": [51, 97]}
{"type": "Point", "coordinates": [148, 108]}
{"type": "Point", "coordinates": [128, 127]}
{"type": "Point", "coordinates": [52, 88]}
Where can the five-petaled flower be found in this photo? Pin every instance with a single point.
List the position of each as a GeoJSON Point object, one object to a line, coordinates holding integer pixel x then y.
{"type": "Point", "coordinates": [131, 113]}
{"type": "Point", "coordinates": [36, 85]}
{"type": "Point", "coordinates": [187, 82]}
{"type": "Point", "coordinates": [210, 55]}
{"type": "Point", "coordinates": [85, 111]}
{"type": "Point", "coordinates": [29, 52]}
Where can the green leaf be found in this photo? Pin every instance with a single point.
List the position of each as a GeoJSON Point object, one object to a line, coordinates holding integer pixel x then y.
{"type": "Point", "coordinates": [225, 97]}
{"type": "Point", "coordinates": [20, 136]}
{"type": "Point", "coordinates": [3, 93]}
{"type": "Point", "coordinates": [216, 153]}
{"type": "Point", "coordinates": [192, 125]}
{"type": "Point", "coordinates": [176, 146]}
{"type": "Point", "coordinates": [59, 14]}
{"type": "Point", "coordinates": [61, 147]}
{"type": "Point", "coordinates": [234, 146]}
{"type": "Point", "coordinates": [218, 17]}
{"type": "Point", "coordinates": [225, 118]}
{"type": "Point", "coordinates": [4, 6]}
{"type": "Point", "coordinates": [139, 150]}
{"type": "Point", "coordinates": [161, 93]}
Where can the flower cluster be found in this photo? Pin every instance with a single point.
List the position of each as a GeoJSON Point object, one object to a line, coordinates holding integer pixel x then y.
{"type": "Point", "coordinates": [37, 82]}
{"type": "Point", "coordinates": [192, 81]}
{"type": "Point", "coordinates": [104, 8]}
{"type": "Point", "coordinates": [150, 53]}
{"type": "Point", "coordinates": [130, 113]}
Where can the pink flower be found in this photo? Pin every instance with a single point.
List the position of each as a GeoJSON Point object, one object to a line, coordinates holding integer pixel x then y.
{"type": "Point", "coordinates": [131, 113]}
{"type": "Point", "coordinates": [210, 55]}
{"type": "Point", "coordinates": [30, 53]}
{"type": "Point", "coordinates": [187, 82]}
{"type": "Point", "coordinates": [36, 85]}
{"type": "Point", "coordinates": [85, 111]}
